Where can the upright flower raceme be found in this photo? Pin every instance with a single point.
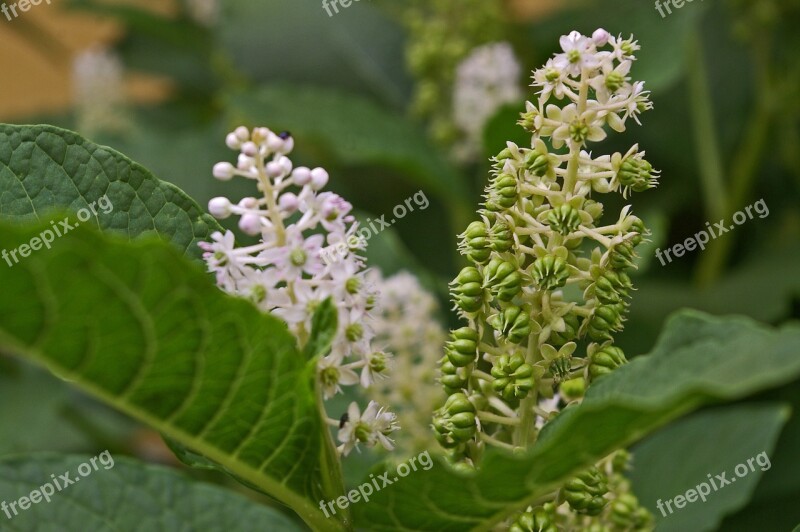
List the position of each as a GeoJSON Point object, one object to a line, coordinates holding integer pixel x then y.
{"type": "Point", "coordinates": [284, 274]}
{"type": "Point", "coordinates": [406, 324]}
{"type": "Point", "coordinates": [547, 285]}
{"type": "Point", "coordinates": [99, 92]}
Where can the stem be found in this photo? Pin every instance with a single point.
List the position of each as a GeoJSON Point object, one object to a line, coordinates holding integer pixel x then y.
{"type": "Point", "coordinates": [743, 166]}
{"type": "Point", "coordinates": [494, 418]}
{"type": "Point", "coordinates": [705, 137]}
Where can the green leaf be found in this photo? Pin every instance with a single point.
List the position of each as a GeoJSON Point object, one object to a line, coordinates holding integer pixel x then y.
{"type": "Point", "coordinates": [712, 442]}
{"type": "Point", "coordinates": [136, 325]}
{"type": "Point", "coordinates": [127, 495]}
{"type": "Point", "coordinates": [44, 167]}
{"type": "Point", "coordinates": [356, 132]}
{"type": "Point", "coordinates": [323, 330]}
{"type": "Point", "coordinates": [698, 359]}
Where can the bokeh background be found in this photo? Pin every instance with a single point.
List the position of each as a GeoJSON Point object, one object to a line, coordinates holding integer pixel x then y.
{"type": "Point", "coordinates": [369, 94]}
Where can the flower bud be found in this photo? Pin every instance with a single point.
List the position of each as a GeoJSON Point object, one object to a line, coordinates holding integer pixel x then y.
{"type": "Point", "coordinates": [301, 176]}
{"type": "Point", "coordinates": [219, 208]}
{"type": "Point", "coordinates": [637, 173]}
{"type": "Point", "coordinates": [502, 193]}
{"type": "Point", "coordinates": [570, 332]}
{"type": "Point", "coordinates": [463, 347]}
{"type": "Point", "coordinates": [513, 377]}
{"type": "Point", "coordinates": [502, 238]}
{"type": "Point", "coordinates": [564, 219]}
{"type": "Point", "coordinates": [513, 322]}
{"type": "Point", "coordinates": [475, 243]}
{"type": "Point", "coordinates": [250, 224]}
{"type": "Point", "coordinates": [550, 272]}
{"type": "Point", "coordinates": [605, 360]}
{"type": "Point", "coordinates": [319, 178]}
{"type": "Point", "coordinates": [584, 493]}
{"type": "Point", "coordinates": [223, 171]}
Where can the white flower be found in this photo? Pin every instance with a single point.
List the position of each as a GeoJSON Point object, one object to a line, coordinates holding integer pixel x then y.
{"type": "Point", "coordinates": [579, 54]}
{"type": "Point", "coordinates": [332, 375]}
{"type": "Point", "coordinates": [99, 91]}
{"type": "Point", "coordinates": [370, 428]}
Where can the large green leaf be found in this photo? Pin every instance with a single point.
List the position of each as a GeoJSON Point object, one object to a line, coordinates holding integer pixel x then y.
{"type": "Point", "coordinates": [124, 495]}
{"type": "Point", "coordinates": [136, 325]}
{"type": "Point", "coordinates": [44, 167]}
{"type": "Point", "coordinates": [712, 442]}
{"type": "Point", "coordinates": [698, 359]}
{"type": "Point", "coordinates": [355, 132]}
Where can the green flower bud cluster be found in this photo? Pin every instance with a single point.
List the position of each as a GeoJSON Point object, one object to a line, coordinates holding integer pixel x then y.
{"type": "Point", "coordinates": [455, 424]}
{"type": "Point", "coordinates": [513, 377]}
{"type": "Point", "coordinates": [540, 519]}
{"type": "Point", "coordinates": [585, 493]}
{"type": "Point", "coordinates": [439, 39]}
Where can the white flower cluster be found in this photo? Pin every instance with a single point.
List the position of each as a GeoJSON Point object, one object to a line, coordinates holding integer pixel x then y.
{"type": "Point", "coordinates": [486, 80]}
{"type": "Point", "coordinates": [284, 273]}
{"type": "Point", "coordinates": [597, 83]}
{"type": "Point", "coordinates": [406, 324]}
{"type": "Point", "coordinates": [99, 91]}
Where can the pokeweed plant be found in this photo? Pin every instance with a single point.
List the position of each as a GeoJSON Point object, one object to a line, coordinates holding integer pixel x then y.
{"type": "Point", "coordinates": [508, 371]}
{"type": "Point", "coordinates": [539, 403]}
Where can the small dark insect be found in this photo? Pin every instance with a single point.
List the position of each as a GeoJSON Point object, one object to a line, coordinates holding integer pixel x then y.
{"type": "Point", "coordinates": [284, 135]}
{"type": "Point", "coordinates": [344, 419]}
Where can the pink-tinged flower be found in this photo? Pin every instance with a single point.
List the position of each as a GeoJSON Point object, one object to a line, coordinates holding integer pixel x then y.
{"type": "Point", "coordinates": [579, 54]}
{"type": "Point", "coordinates": [299, 255]}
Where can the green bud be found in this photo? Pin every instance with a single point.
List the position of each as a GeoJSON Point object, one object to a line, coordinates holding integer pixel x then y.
{"type": "Point", "coordinates": [513, 377]}
{"type": "Point", "coordinates": [573, 388]}
{"type": "Point", "coordinates": [476, 243]}
{"type": "Point", "coordinates": [638, 174]}
{"type": "Point", "coordinates": [584, 493]}
{"type": "Point", "coordinates": [570, 332]}
{"type": "Point", "coordinates": [502, 193]}
{"type": "Point", "coordinates": [605, 360]}
{"type": "Point", "coordinates": [502, 238]}
{"type": "Point", "coordinates": [537, 163]}
{"type": "Point", "coordinates": [468, 292]}
{"type": "Point", "coordinates": [605, 320]}
{"type": "Point", "coordinates": [513, 322]}
{"type": "Point", "coordinates": [550, 272]}
{"type": "Point", "coordinates": [564, 219]}
{"type": "Point", "coordinates": [541, 519]}
{"type": "Point", "coordinates": [463, 347]}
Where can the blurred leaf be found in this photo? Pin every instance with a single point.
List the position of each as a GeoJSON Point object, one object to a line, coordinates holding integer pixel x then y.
{"type": "Point", "coordinates": [146, 331]}
{"type": "Point", "coordinates": [503, 128]}
{"type": "Point", "coordinates": [162, 499]}
{"type": "Point", "coordinates": [43, 167]}
{"type": "Point", "coordinates": [711, 442]}
{"type": "Point", "coordinates": [45, 414]}
{"type": "Point", "coordinates": [698, 359]}
{"type": "Point", "coordinates": [359, 49]}
{"type": "Point", "coordinates": [357, 133]}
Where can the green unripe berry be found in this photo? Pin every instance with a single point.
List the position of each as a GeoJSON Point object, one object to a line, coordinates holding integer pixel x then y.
{"type": "Point", "coordinates": [513, 377]}
{"type": "Point", "coordinates": [550, 272]}
{"type": "Point", "coordinates": [475, 242]}
{"type": "Point", "coordinates": [605, 360]}
{"type": "Point", "coordinates": [513, 322]}
{"type": "Point", "coordinates": [570, 332]}
{"type": "Point", "coordinates": [537, 163]}
{"type": "Point", "coordinates": [502, 193]}
{"type": "Point", "coordinates": [502, 238]}
{"type": "Point", "coordinates": [463, 347]}
{"type": "Point", "coordinates": [584, 493]}
{"type": "Point", "coordinates": [564, 219]}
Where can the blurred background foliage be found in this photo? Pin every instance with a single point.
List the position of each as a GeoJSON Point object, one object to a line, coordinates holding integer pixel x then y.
{"type": "Point", "coordinates": [368, 94]}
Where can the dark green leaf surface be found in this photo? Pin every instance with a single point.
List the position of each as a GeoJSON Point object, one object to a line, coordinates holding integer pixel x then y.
{"type": "Point", "coordinates": [139, 327]}
{"type": "Point", "coordinates": [712, 442]}
{"type": "Point", "coordinates": [698, 359]}
{"type": "Point", "coordinates": [45, 168]}
{"type": "Point", "coordinates": [128, 496]}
